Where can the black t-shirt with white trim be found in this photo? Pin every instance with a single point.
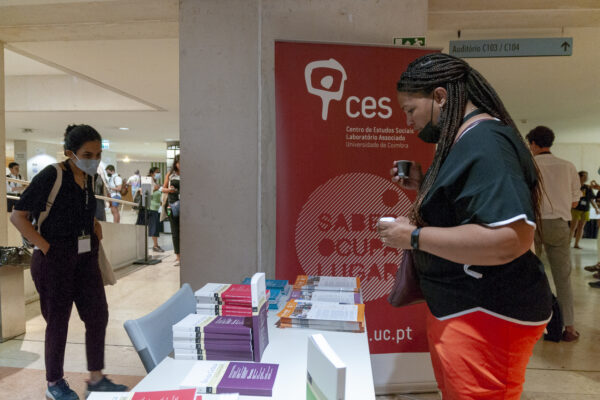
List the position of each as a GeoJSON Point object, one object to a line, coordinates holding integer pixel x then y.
{"type": "Point", "coordinates": [486, 179]}
{"type": "Point", "coordinates": [69, 216]}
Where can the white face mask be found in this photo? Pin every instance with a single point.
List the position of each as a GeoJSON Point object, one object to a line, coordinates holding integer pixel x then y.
{"type": "Point", "coordinates": [157, 176]}
{"type": "Point", "coordinates": [86, 165]}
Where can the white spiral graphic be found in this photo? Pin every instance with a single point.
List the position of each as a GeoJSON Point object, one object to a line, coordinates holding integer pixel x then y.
{"type": "Point", "coordinates": [336, 235]}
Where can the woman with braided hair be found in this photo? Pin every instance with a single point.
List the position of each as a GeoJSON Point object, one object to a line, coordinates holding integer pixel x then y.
{"type": "Point", "coordinates": [471, 228]}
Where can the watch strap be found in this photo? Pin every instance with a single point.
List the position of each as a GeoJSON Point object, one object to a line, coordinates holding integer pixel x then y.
{"type": "Point", "coordinates": [414, 238]}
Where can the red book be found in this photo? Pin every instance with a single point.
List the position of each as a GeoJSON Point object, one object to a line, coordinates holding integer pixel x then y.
{"type": "Point", "coordinates": [236, 311]}
{"type": "Point", "coordinates": [237, 294]}
{"type": "Point", "coordinates": [182, 394]}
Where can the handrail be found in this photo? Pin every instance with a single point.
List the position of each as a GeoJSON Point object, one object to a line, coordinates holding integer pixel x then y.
{"type": "Point", "coordinates": [25, 183]}
{"type": "Point", "coordinates": [129, 203]}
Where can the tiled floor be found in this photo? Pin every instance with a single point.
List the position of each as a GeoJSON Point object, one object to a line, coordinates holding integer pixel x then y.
{"type": "Point", "coordinates": [565, 371]}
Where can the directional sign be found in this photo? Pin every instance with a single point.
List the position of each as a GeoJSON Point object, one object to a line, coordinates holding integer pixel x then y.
{"type": "Point", "coordinates": [511, 47]}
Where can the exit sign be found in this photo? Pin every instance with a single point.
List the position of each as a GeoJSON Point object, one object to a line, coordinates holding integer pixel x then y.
{"type": "Point", "coordinates": [418, 41]}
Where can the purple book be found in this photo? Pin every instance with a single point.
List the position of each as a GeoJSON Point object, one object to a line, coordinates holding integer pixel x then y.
{"type": "Point", "coordinates": [227, 347]}
{"type": "Point", "coordinates": [226, 324]}
{"type": "Point", "coordinates": [248, 379]}
{"type": "Point", "coordinates": [260, 332]}
{"type": "Point", "coordinates": [215, 357]}
{"type": "Point", "coordinates": [247, 336]}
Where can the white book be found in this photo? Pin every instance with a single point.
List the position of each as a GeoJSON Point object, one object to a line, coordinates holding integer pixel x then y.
{"type": "Point", "coordinates": [110, 396]}
{"type": "Point", "coordinates": [205, 376]}
{"type": "Point", "coordinates": [258, 289]}
{"type": "Point", "coordinates": [210, 291]}
{"type": "Point", "coordinates": [190, 322]}
{"type": "Point", "coordinates": [326, 372]}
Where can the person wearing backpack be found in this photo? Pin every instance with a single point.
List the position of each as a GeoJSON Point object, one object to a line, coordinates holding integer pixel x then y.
{"type": "Point", "coordinates": [115, 188]}
{"type": "Point", "coordinates": [64, 265]}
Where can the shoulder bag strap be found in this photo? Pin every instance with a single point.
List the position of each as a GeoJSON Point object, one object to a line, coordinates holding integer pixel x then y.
{"type": "Point", "coordinates": [52, 196]}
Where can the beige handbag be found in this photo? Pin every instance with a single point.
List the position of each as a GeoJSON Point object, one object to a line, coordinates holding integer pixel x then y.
{"type": "Point", "coordinates": [108, 275]}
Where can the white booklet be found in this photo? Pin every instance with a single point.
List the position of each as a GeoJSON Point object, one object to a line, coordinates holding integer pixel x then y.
{"type": "Point", "coordinates": [325, 371]}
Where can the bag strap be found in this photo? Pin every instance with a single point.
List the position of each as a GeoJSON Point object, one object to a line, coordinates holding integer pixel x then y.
{"type": "Point", "coordinates": [53, 193]}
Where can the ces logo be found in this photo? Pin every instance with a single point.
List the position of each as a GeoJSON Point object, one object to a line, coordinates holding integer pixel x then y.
{"type": "Point", "coordinates": [326, 78]}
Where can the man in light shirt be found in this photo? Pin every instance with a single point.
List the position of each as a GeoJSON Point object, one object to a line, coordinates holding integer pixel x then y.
{"type": "Point", "coordinates": [13, 188]}
{"type": "Point", "coordinates": [561, 194]}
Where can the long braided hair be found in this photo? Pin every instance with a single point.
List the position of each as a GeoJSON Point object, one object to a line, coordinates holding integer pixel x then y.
{"type": "Point", "coordinates": [462, 83]}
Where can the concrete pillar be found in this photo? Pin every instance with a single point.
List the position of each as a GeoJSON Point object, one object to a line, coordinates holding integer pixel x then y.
{"type": "Point", "coordinates": [3, 219]}
{"type": "Point", "coordinates": [227, 117]}
{"type": "Point", "coordinates": [20, 147]}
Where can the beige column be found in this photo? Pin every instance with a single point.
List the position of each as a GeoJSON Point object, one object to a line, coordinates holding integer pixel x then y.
{"type": "Point", "coordinates": [3, 219]}
{"type": "Point", "coordinates": [227, 117]}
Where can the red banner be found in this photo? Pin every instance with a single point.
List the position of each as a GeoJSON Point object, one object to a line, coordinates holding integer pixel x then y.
{"type": "Point", "coordinates": [339, 127]}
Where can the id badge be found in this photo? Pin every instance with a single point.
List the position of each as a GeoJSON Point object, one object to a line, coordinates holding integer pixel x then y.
{"type": "Point", "coordinates": [85, 244]}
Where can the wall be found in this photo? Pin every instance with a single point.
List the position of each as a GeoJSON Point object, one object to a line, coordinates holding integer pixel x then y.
{"type": "Point", "coordinates": [40, 154]}
{"type": "Point", "coordinates": [228, 121]}
{"type": "Point", "coordinates": [586, 157]}
{"type": "Point", "coordinates": [3, 226]}
{"type": "Point", "coordinates": [125, 170]}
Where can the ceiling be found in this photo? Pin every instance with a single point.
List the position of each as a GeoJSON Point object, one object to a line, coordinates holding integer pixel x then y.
{"type": "Point", "coordinates": [114, 64]}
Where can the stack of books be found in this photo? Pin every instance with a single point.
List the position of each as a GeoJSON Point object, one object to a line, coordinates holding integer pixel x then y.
{"type": "Point", "coordinates": [224, 299]}
{"type": "Point", "coordinates": [322, 315]}
{"type": "Point", "coordinates": [214, 336]}
{"type": "Point", "coordinates": [279, 290]}
{"type": "Point", "coordinates": [205, 337]}
{"type": "Point", "coordinates": [327, 296]}
{"type": "Point", "coordinates": [247, 379]}
{"type": "Point", "coordinates": [324, 302]}
{"type": "Point", "coordinates": [305, 283]}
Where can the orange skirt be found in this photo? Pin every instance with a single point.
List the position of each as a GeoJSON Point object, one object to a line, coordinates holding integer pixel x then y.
{"type": "Point", "coordinates": [478, 356]}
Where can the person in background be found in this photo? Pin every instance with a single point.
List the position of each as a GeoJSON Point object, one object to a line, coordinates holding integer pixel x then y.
{"type": "Point", "coordinates": [561, 194]}
{"type": "Point", "coordinates": [596, 267]}
{"type": "Point", "coordinates": [580, 214]}
{"type": "Point", "coordinates": [471, 229]}
{"type": "Point", "coordinates": [135, 183]}
{"type": "Point", "coordinates": [153, 210]}
{"type": "Point", "coordinates": [13, 188]}
{"type": "Point", "coordinates": [100, 189]}
{"type": "Point", "coordinates": [172, 187]}
{"type": "Point", "coordinates": [115, 183]}
{"type": "Point", "coordinates": [64, 265]}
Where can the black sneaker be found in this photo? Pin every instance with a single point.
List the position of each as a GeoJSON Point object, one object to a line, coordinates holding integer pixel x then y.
{"type": "Point", "coordinates": [61, 391]}
{"type": "Point", "coordinates": [105, 385]}
{"type": "Point", "coordinates": [595, 284]}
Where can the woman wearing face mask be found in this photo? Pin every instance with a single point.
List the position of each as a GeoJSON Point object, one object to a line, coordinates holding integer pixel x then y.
{"type": "Point", "coordinates": [64, 265]}
{"type": "Point", "coordinates": [471, 228]}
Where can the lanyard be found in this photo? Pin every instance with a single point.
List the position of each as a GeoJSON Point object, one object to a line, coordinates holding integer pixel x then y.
{"type": "Point", "coordinates": [87, 192]}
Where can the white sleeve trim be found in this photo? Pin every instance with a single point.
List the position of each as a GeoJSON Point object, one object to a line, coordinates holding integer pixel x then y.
{"type": "Point", "coordinates": [511, 220]}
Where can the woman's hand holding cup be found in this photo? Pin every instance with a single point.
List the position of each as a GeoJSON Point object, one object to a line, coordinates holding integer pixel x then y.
{"type": "Point", "coordinates": [407, 174]}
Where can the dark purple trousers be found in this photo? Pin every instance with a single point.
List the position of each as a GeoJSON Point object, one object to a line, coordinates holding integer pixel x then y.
{"type": "Point", "coordinates": [63, 277]}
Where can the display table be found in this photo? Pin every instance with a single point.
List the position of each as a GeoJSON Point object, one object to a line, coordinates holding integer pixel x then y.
{"type": "Point", "coordinates": [287, 347]}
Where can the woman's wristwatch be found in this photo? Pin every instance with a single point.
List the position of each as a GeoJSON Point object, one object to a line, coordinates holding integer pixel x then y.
{"type": "Point", "coordinates": [414, 238]}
